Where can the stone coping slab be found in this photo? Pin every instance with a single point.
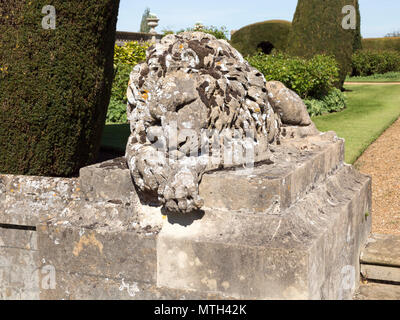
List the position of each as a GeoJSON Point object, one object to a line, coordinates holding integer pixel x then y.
{"type": "Point", "coordinates": [378, 291]}
{"type": "Point", "coordinates": [382, 250]}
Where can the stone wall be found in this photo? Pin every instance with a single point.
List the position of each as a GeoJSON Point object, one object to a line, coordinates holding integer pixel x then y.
{"type": "Point", "coordinates": [293, 228]}
{"type": "Point", "coordinates": [123, 37]}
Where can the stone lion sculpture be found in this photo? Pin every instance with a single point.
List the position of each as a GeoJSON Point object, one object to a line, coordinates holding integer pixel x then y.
{"type": "Point", "coordinates": [196, 93]}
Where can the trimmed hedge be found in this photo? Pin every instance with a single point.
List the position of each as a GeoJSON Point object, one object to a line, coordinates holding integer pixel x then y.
{"type": "Point", "coordinates": [247, 39]}
{"type": "Point", "coordinates": [382, 44]}
{"type": "Point", "coordinates": [312, 78]}
{"type": "Point", "coordinates": [368, 62]}
{"type": "Point", "coordinates": [317, 29]}
{"type": "Point", "coordinates": [55, 92]}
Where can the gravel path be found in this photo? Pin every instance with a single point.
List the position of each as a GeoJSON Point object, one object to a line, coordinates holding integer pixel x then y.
{"type": "Point", "coordinates": [382, 161]}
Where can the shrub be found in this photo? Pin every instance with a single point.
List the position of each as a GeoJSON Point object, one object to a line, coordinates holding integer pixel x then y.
{"type": "Point", "coordinates": [117, 107]}
{"type": "Point", "coordinates": [131, 53]}
{"type": "Point", "coordinates": [317, 29]}
{"type": "Point", "coordinates": [392, 44]}
{"type": "Point", "coordinates": [219, 33]}
{"type": "Point", "coordinates": [308, 78]}
{"type": "Point", "coordinates": [166, 32]}
{"type": "Point", "coordinates": [334, 101]}
{"type": "Point", "coordinates": [57, 85]}
{"type": "Point", "coordinates": [368, 62]}
{"type": "Point", "coordinates": [116, 112]}
{"type": "Point", "coordinates": [248, 39]}
{"type": "Point", "coordinates": [125, 58]}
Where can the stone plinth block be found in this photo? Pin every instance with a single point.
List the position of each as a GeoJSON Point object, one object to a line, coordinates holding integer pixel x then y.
{"type": "Point", "coordinates": [273, 187]}
{"type": "Point", "coordinates": [109, 180]}
{"type": "Point", "coordinates": [308, 251]}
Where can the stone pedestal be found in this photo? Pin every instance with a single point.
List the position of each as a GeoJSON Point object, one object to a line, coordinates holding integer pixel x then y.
{"type": "Point", "coordinates": [292, 228]}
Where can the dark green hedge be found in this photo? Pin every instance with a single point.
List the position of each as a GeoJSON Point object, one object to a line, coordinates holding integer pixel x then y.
{"type": "Point", "coordinates": [369, 62]}
{"type": "Point", "coordinates": [56, 86]}
{"type": "Point", "coordinates": [317, 29]}
{"type": "Point", "coordinates": [382, 44]}
{"type": "Point", "coordinates": [249, 37]}
{"type": "Point", "coordinates": [357, 44]}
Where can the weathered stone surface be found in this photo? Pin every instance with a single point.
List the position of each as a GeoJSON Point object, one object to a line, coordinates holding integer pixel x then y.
{"type": "Point", "coordinates": [192, 84]}
{"type": "Point", "coordinates": [18, 239]}
{"type": "Point", "coordinates": [107, 181]}
{"type": "Point", "coordinates": [380, 260]}
{"type": "Point", "coordinates": [304, 253]}
{"type": "Point", "coordinates": [78, 286]}
{"type": "Point", "coordinates": [305, 249]}
{"type": "Point", "coordinates": [19, 274]}
{"type": "Point", "coordinates": [294, 168]}
{"type": "Point", "coordinates": [382, 250]}
{"type": "Point", "coordinates": [287, 104]}
{"type": "Point", "coordinates": [380, 273]}
{"type": "Point", "coordinates": [28, 200]}
{"type": "Point", "coordinates": [128, 255]}
{"type": "Point", "coordinates": [378, 291]}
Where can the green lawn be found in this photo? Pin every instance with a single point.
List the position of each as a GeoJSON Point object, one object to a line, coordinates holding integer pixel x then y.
{"type": "Point", "coordinates": [371, 110]}
{"type": "Point", "coordinates": [387, 77]}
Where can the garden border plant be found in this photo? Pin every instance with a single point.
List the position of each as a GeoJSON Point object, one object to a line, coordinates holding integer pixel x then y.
{"type": "Point", "coordinates": [125, 58]}
{"type": "Point", "coordinates": [312, 79]}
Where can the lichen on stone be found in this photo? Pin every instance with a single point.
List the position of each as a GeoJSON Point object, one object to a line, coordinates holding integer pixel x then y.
{"type": "Point", "coordinates": [193, 95]}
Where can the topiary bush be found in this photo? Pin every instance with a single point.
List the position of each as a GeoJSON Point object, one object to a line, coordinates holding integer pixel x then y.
{"type": "Point", "coordinates": [369, 62]}
{"type": "Point", "coordinates": [249, 39]}
{"type": "Point", "coordinates": [57, 85]}
{"type": "Point", "coordinates": [357, 42]}
{"type": "Point", "coordinates": [317, 29]}
{"type": "Point", "coordinates": [313, 77]}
